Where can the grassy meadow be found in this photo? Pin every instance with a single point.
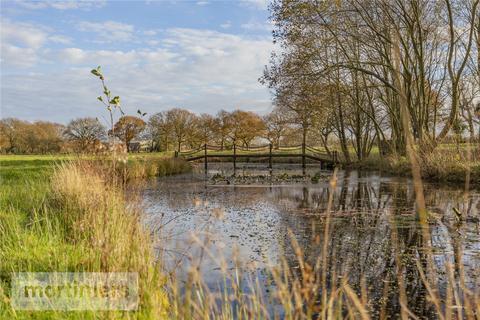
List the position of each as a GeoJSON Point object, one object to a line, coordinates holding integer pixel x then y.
{"type": "Point", "coordinates": [59, 213]}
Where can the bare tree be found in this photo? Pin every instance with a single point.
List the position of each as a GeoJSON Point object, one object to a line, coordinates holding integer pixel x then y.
{"type": "Point", "coordinates": [85, 132]}
{"type": "Point", "coordinates": [276, 125]}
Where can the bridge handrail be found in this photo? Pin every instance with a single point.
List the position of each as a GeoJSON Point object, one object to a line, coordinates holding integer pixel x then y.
{"type": "Point", "coordinates": [191, 151]}
{"type": "Point", "coordinates": [289, 148]}
{"type": "Point", "coordinates": [253, 148]}
{"type": "Point", "coordinates": [317, 151]}
{"type": "Point", "coordinates": [213, 148]}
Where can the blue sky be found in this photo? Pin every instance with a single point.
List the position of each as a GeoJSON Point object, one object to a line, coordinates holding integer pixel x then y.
{"type": "Point", "coordinates": [200, 55]}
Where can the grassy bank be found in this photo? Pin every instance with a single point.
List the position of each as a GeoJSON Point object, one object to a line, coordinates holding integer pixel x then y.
{"type": "Point", "coordinates": [67, 216]}
{"type": "Point", "coordinates": [73, 216]}
{"type": "Point", "coordinates": [438, 166]}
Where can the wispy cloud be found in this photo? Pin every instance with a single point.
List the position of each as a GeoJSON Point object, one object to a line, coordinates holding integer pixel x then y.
{"type": "Point", "coordinates": [23, 34]}
{"type": "Point", "coordinates": [23, 44]}
{"type": "Point", "coordinates": [253, 25]}
{"type": "Point", "coordinates": [258, 4]}
{"type": "Point", "coordinates": [197, 69]}
{"type": "Point", "coordinates": [61, 5]}
{"type": "Point", "coordinates": [108, 31]}
{"type": "Point", "coordinates": [153, 65]}
{"type": "Point", "coordinates": [226, 25]}
{"type": "Point", "coordinates": [150, 32]}
{"type": "Point", "coordinates": [60, 39]}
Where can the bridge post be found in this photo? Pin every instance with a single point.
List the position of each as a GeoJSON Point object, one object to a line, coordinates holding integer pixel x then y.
{"type": "Point", "coordinates": [176, 154]}
{"type": "Point", "coordinates": [303, 158]}
{"type": "Point", "coordinates": [270, 166]}
{"type": "Point", "coordinates": [206, 160]}
{"type": "Point", "coordinates": [234, 158]}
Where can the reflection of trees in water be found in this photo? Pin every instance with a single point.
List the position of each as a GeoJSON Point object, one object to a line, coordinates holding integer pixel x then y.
{"type": "Point", "coordinates": [360, 244]}
{"type": "Point", "coordinates": [365, 213]}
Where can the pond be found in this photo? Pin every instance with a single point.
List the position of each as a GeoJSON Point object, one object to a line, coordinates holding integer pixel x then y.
{"type": "Point", "coordinates": [249, 222]}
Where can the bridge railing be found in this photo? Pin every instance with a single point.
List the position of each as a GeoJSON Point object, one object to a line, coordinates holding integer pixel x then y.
{"type": "Point", "coordinates": [189, 153]}
{"type": "Point", "coordinates": [250, 149]}
{"type": "Point", "coordinates": [295, 149]}
{"type": "Point", "coordinates": [263, 150]}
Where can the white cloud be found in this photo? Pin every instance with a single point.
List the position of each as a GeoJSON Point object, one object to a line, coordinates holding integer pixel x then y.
{"type": "Point", "coordinates": [61, 5]}
{"type": "Point", "coordinates": [23, 44]}
{"type": "Point", "coordinates": [72, 55]}
{"type": "Point", "coordinates": [258, 4]}
{"type": "Point", "coordinates": [150, 32]}
{"type": "Point", "coordinates": [257, 26]}
{"type": "Point", "coordinates": [17, 56]}
{"type": "Point", "coordinates": [60, 39]}
{"type": "Point", "coordinates": [22, 34]}
{"type": "Point", "coordinates": [202, 70]}
{"type": "Point", "coordinates": [108, 31]}
{"type": "Point", "coordinates": [226, 25]}
{"type": "Point", "coordinates": [153, 43]}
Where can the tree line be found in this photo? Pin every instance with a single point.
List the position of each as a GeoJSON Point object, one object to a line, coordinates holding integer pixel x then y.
{"type": "Point", "coordinates": [174, 129]}
{"type": "Point", "coordinates": [18, 136]}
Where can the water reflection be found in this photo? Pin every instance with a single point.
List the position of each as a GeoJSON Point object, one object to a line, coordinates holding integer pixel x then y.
{"type": "Point", "coordinates": [373, 221]}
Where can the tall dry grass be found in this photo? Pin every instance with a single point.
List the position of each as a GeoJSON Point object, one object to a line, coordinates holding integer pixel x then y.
{"type": "Point", "coordinates": [147, 167]}
{"type": "Point", "coordinates": [438, 165]}
{"type": "Point", "coordinates": [451, 165]}
{"type": "Point", "coordinates": [95, 214]}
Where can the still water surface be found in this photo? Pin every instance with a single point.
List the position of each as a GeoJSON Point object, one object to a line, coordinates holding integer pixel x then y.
{"type": "Point", "coordinates": [201, 223]}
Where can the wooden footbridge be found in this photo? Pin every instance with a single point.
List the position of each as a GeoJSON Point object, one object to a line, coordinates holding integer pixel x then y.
{"type": "Point", "coordinates": [267, 153]}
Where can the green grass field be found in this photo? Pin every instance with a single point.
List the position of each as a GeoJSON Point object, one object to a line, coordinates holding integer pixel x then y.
{"type": "Point", "coordinates": [37, 223]}
{"type": "Point", "coordinates": [57, 157]}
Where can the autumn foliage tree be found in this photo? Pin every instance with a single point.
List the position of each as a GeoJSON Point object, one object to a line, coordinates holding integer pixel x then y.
{"type": "Point", "coordinates": [181, 122]}
{"type": "Point", "coordinates": [127, 128]}
{"type": "Point", "coordinates": [12, 133]}
{"type": "Point", "coordinates": [158, 131]}
{"type": "Point", "coordinates": [207, 128]}
{"type": "Point", "coordinates": [245, 126]}
{"type": "Point", "coordinates": [18, 136]}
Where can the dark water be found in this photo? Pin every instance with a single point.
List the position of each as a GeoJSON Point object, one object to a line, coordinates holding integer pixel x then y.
{"type": "Point", "coordinates": [208, 225]}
